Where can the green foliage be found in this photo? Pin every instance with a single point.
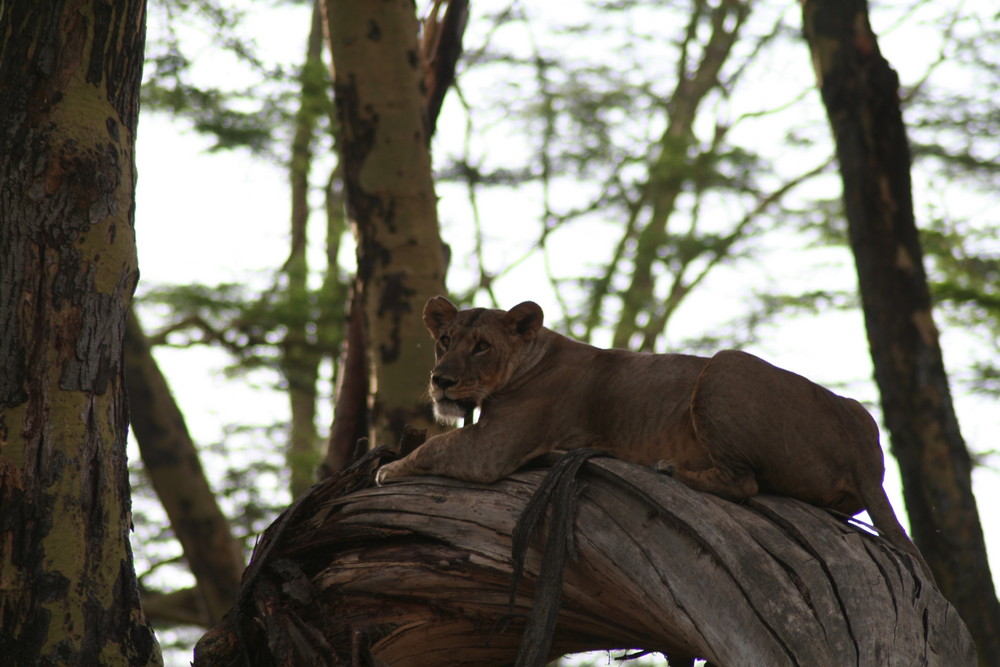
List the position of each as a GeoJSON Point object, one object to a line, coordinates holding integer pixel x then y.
{"type": "Point", "coordinates": [250, 487]}
{"type": "Point", "coordinates": [955, 140]}
{"type": "Point", "coordinates": [635, 125]}
{"type": "Point", "coordinates": [954, 128]}
{"type": "Point", "coordinates": [965, 269]}
{"type": "Point", "coordinates": [250, 326]}
{"type": "Point", "coordinates": [253, 106]}
{"type": "Point", "coordinates": [258, 106]}
{"type": "Point", "coordinates": [596, 110]}
{"type": "Point", "coordinates": [214, 112]}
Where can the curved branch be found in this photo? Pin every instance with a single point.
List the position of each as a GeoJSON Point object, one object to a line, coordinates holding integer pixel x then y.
{"type": "Point", "coordinates": [441, 44]}
{"type": "Point", "coordinates": [181, 607]}
{"type": "Point", "coordinates": [172, 464]}
{"type": "Point", "coordinates": [350, 412]}
{"type": "Point", "coordinates": [418, 573]}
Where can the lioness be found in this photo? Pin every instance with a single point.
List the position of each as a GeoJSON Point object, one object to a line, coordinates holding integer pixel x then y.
{"type": "Point", "coordinates": [732, 425]}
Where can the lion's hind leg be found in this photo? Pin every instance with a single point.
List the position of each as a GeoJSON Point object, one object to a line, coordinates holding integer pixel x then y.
{"type": "Point", "coordinates": [735, 486]}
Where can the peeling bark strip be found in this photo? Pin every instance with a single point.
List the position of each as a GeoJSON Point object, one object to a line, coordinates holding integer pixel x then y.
{"type": "Point", "coordinates": [561, 483]}
{"type": "Point", "coordinates": [70, 72]}
{"type": "Point", "coordinates": [861, 94]}
{"type": "Point", "coordinates": [390, 198]}
{"type": "Point", "coordinates": [657, 566]}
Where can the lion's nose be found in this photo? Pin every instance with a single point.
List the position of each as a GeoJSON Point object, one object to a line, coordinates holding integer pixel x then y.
{"type": "Point", "coordinates": [443, 381]}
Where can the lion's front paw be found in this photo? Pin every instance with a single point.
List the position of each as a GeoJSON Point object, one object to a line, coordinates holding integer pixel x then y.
{"type": "Point", "coordinates": [665, 466]}
{"type": "Point", "coordinates": [386, 472]}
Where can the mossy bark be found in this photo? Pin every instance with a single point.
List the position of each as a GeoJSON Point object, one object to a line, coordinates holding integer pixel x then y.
{"type": "Point", "coordinates": [71, 71]}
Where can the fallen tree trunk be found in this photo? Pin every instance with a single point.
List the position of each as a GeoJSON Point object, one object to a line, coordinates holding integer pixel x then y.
{"type": "Point", "coordinates": [418, 573]}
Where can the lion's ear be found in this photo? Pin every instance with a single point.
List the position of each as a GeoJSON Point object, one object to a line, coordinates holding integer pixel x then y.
{"type": "Point", "coordinates": [525, 319]}
{"type": "Point", "coordinates": [438, 313]}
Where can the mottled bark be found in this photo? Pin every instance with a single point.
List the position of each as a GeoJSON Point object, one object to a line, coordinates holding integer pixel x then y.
{"type": "Point", "coordinates": [441, 45]}
{"type": "Point", "coordinates": [861, 94]}
{"type": "Point", "coordinates": [390, 199]}
{"type": "Point", "coordinates": [420, 572]}
{"type": "Point", "coordinates": [172, 465]}
{"type": "Point", "coordinates": [69, 102]}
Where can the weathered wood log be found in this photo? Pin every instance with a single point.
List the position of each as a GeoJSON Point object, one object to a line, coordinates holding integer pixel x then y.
{"type": "Point", "coordinates": [418, 573]}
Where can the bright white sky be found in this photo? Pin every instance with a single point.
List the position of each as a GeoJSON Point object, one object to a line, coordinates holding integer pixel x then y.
{"type": "Point", "coordinates": [222, 217]}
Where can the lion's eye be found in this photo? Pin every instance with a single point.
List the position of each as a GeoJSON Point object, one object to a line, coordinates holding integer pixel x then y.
{"type": "Point", "coordinates": [444, 342]}
{"type": "Point", "coordinates": [481, 346]}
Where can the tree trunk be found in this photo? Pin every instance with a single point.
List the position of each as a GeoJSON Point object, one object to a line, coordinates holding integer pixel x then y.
{"type": "Point", "coordinates": [69, 101]}
{"type": "Point", "coordinates": [350, 413]}
{"type": "Point", "coordinates": [441, 46]}
{"type": "Point", "coordinates": [419, 573]}
{"type": "Point", "coordinates": [301, 355]}
{"type": "Point", "coordinates": [172, 464]}
{"type": "Point", "coordinates": [860, 92]}
{"type": "Point", "coordinates": [390, 199]}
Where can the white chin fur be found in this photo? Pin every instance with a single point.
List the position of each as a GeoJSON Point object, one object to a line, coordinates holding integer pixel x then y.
{"type": "Point", "coordinates": [448, 412]}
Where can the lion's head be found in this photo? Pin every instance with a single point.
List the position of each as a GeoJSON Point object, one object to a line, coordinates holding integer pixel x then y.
{"type": "Point", "coordinates": [477, 352]}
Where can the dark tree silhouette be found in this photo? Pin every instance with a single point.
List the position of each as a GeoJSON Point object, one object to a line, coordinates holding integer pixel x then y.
{"type": "Point", "coordinates": [861, 94]}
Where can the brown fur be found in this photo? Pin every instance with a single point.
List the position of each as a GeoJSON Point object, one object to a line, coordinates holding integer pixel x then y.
{"type": "Point", "coordinates": [732, 425]}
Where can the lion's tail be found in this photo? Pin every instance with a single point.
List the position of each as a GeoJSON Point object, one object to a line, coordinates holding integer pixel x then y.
{"type": "Point", "coordinates": [884, 518]}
